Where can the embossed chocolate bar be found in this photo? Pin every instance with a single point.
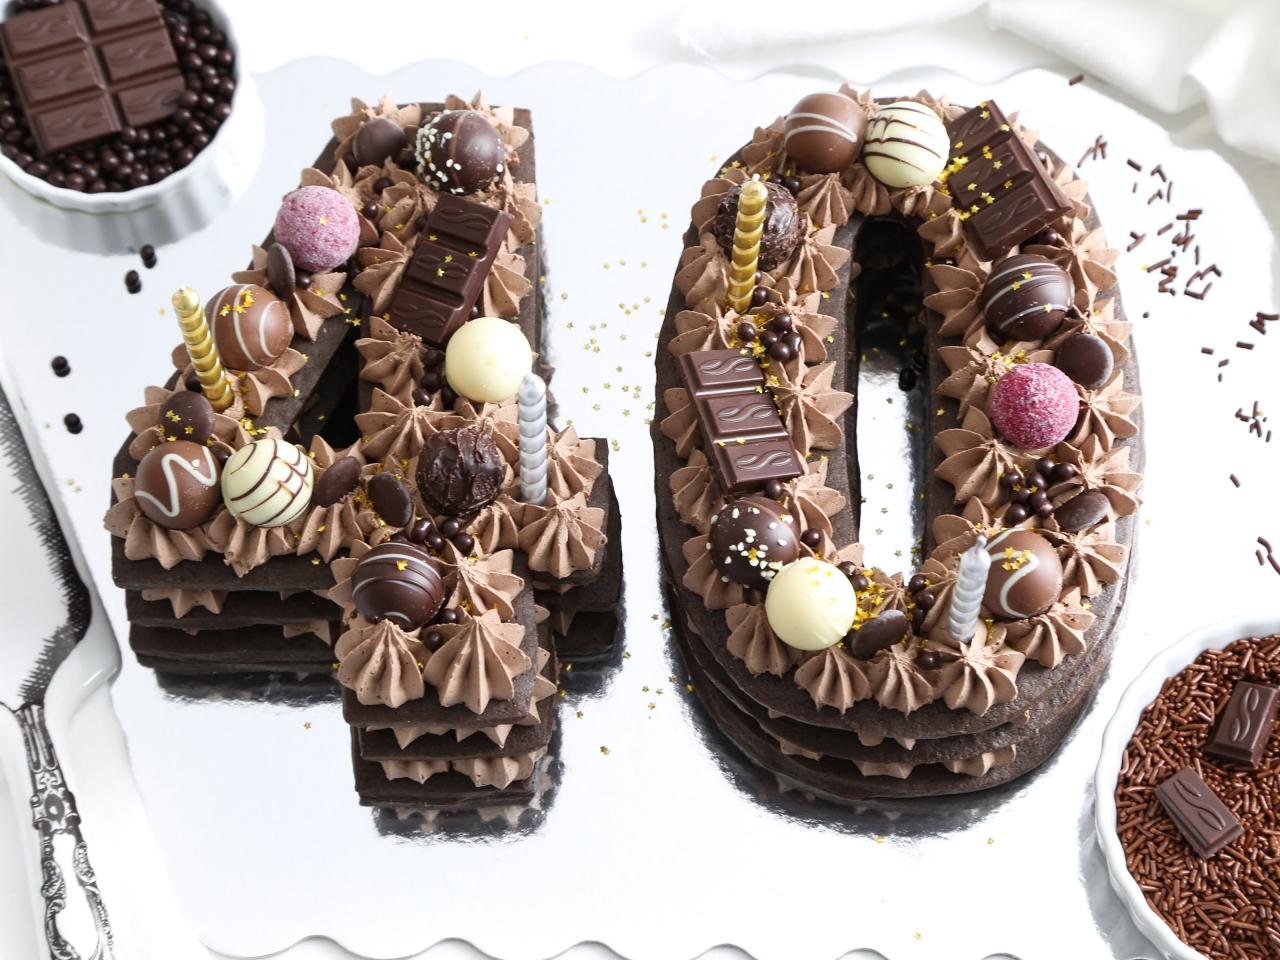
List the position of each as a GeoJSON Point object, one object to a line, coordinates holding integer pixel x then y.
{"type": "Point", "coordinates": [1199, 814]}
{"type": "Point", "coordinates": [1246, 724]}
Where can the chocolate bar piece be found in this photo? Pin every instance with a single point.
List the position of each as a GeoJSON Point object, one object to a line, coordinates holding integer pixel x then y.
{"type": "Point", "coordinates": [1199, 814]}
{"type": "Point", "coordinates": [448, 269]}
{"type": "Point", "coordinates": [997, 183]}
{"type": "Point", "coordinates": [1245, 725]}
{"type": "Point", "coordinates": [89, 69]}
{"type": "Point", "coordinates": [741, 467]}
{"type": "Point", "coordinates": [711, 372]}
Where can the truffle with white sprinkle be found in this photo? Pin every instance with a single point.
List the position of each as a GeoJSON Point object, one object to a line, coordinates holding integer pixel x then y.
{"type": "Point", "coordinates": [751, 539]}
{"type": "Point", "coordinates": [460, 152]}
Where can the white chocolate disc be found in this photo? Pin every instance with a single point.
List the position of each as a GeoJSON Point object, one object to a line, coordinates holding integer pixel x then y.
{"type": "Point", "coordinates": [906, 145]}
{"type": "Point", "coordinates": [810, 604]}
{"type": "Point", "coordinates": [486, 360]}
{"type": "Point", "coordinates": [267, 483]}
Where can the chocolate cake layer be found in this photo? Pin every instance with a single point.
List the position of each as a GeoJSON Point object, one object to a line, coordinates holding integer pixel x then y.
{"type": "Point", "coordinates": [442, 791]}
{"type": "Point", "coordinates": [243, 608]}
{"type": "Point", "coordinates": [254, 646]}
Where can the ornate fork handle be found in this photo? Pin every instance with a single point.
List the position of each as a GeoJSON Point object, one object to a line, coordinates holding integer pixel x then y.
{"type": "Point", "coordinates": [54, 815]}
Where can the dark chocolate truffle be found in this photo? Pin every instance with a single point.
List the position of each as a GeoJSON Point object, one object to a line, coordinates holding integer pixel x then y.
{"type": "Point", "coordinates": [1086, 359]}
{"type": "Point", "coordinates": [282, 278]}
{"type": "Point", "coordinates": [338, 479]}
{"type": "Point", "coordinates": [376, 141]}
{"type": "Point", "coordinates": [782, 226]}
{"type": "Point", "coordinates": [460, 152]}
{"type": "Point", "coordinates": [398, 582]}
{"type": "Point", "coordinates": [1026, 297]}
{"type": "Point", "coordinates": [1082, 511]}
{"type": "Point", "coordinates": [460, 471]}
{"type": "Point", "coordinates": [250, 325]}
{"type": "Point", "coordinates": [391, 498]}
{"type": "Point", "coordinates": [878, 633]}
{"type": "Point", "coordinates": [751, 539]}
{"type": "Point", "coordinates": [1025, 577]}
{"type": "Point", "coordinates": [187, 416]}
{"type": "Point", "coordinates": [177, 484]}
{"type": "Point", "coordinates": [823, 132]}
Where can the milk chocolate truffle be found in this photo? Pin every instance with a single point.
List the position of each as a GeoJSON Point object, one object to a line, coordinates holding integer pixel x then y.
{"type": "Point", "coordinates": [1025, 577]}
{"type": "Point", "coordinates": [398, 582]}
{"type": "Point", "coordinates": [460, 152]}
{"type": "Point", "coordinates": [782, 226]}
{"type": "Point", "coordinates": [187, 415]}
{"type": "Point", "coordinates": [1026, 297]}
{"type": "Point", "coordinates": [268, 483]}
{"type": "Point", "coordinates": [251, 326]}
{"type": "Point", "coordinates": [486, 360]}
{"type": "Point", "coordinates": [378, 140]}
{"type": "Point", "coordinates": [810, 604]}
{"type": "Point", "coordinates": [1086, 359]}
{"type": "Point", "coordinates": [460, 471]}
{"type": "Point", "coordinates": [823, 132]}
{"type": "Point", "coordinates": [906, 145]}
{"type": "Point", "coordinates": [391, 498]}
{"type": "Point", "coordinates": [751, 539]}
{"type": "Point", "coordinates": [177, 484]}
{"type": "Point", "coordinates": [336, 482]}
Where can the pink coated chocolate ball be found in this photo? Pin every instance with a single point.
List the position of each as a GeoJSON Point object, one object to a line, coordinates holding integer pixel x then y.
{"type": "Point", "coordinates": [1034, 406]}
{"type": "Point", "coordinates": [318, 227]}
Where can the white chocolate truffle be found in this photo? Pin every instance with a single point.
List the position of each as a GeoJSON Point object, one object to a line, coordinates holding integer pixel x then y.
{"type": "Point", "coordinates": [810, 604]}
{"type": "Point", "coordinates": [486, 360]}
{"type": "Point", "coordinates": [267, 483]}
{"type": "Point", "coordinates": [906, 145]}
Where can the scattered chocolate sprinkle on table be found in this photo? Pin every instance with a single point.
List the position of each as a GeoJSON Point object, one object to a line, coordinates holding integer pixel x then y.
{"type": "Point", "coordinates": [1076, 79]}
{"type": "Point", "coordinates": [1227, 906]}
{"type": "Point", "coordinates": [72, 422]}
{"type": "Point", "coordinates": [148, 254]}
{"type": "Point", "coordinates": [60, 365]}
{"type": "Point", "coordinates": [133, 282]}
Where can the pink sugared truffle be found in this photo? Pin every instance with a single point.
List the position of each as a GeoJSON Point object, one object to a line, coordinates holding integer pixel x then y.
{"type": "Point", "coordinates": [1034, 406]}
{"type": "Point", "coordinates": [318, 227]}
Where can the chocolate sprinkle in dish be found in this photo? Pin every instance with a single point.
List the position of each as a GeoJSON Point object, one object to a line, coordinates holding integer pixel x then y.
{"type": "Point", "coordinates": [1076, 79]}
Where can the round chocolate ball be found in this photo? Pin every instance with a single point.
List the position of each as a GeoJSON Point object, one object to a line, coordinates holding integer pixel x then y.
{"type": "Point", "coordinates": [281, 277]}
{"type": "Point", "coordinates": [319, 226]}
{"type": "Point", "coordinates": [177, 484]}
{"type": "Point", "coordinates": [486, 360]}
{"type": "Point", "coordinates": [1026, 297]}
{"type": "Point", "coordinates": [460, 471]}
{"type": "Point", "coordinates": [251, 326]}
{"type": "Point", "coordinates": [187, 415]}
{"type": "Point", "coordinates": [1086, 359]}
{"type": "Point", "coordinates": [1034, 406]}
{"type": "Point", "coordinates": [460, 152]}
{"type": "Point", "coordinates": [397, 582]}
{"type": "Point", "coordinates": [751, 539]}
{"type": "Point", "coordinates": [268, 483]}
{"type": "Point", "coordinates": [391, 499]}
{"type": "Point", "coordinates": [823, 132]}
{"type": "Point", "coordinates": [1025, 577]}
{"type": "Point", "coordinates": [906, 145]}
{"type": "Point", "coordinates": [810, 604]}
{"type": "Point", "coordinates": [338, 479]}
{"type": "Point", "coordinates": [782, 225]}
{"type": "Point", "coordinates": [378, 140]}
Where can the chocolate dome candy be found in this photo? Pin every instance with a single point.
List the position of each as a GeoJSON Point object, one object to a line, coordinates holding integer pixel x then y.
{"type": "Point", "coordinates": [267, 483]}
{"type": "Point", "coordinates": [1082, 511]}
{"type": "Point", "coordinates": [377, 141]}
{"type": "Point", "coordinates": [1025, 578]}
{"type": "Point", "coordinates": [250, 324]}
{"type": "Point", "coordinates": [460, 152]}
{"type": "Point", "coordinates": [282, 278]}
{"type": "Point", "coordinates": [460, 471]}
{"type": "Point", "coordinates": [486, 360]}
{"type": "Point", "coordinates": [782, 226]}
{"type": "Point", "coordinates": [398, 582]}
{"type": "Point", "coordinates": [177, 484]}
{"type": "Point", "coordinates": [339, 479]}
{"type": "Point", "coordinates": [319, 227]}
{"type": "Point", "coordinates": [1034, 406]}
{"type": "Point", "coordinates": [1026, 297]}
{"type": "Point", "coordinates": [187, 415]}
{"type": "Point", "coordinates": [391, 498]}
{"type": "Point", "coordinates": [810, 604]}
{"type": "Point", "coordinates": [906, 145]}
{"type": "Point", "coordinates": [877, 633]}
{"type": "Point", "coordinates": [823, 132]}
{"type": "Point", "coordinates": [751, 539]}
{"type": "Point", "coordinates": [1086, 359]}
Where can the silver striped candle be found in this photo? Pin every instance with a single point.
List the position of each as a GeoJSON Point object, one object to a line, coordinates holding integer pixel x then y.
{"type": "Point", "coordinates": [531, 398]}
{"type": "Point", "coordinates": [966, 596]}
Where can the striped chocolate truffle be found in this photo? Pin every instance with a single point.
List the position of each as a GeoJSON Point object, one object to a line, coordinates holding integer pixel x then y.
{"type": "Point", "coordinates": [177, 484]}
{"type": "Point", "coordinates": [906, 145]}
{"type": "Point", "coordinates": [251, 326]}
{"type": "Point", "coordinates": [267, 483]}
{"type": "Point", "coordinates": [460, 152]}
{"type": "Point", "coordinates": [1026, 297]}
{"type": "Point", "coordinates": [1025, 578]}
{"type": "Point", "coordinates": [398, 582]}
{"type": "Point", "coordinates": [823, 131]}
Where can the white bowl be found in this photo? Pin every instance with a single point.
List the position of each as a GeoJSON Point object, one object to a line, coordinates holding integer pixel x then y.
{"type": "Point", "coordinates": [222, 160]}
{"type": "Point", "coordinates": [1144, 689]}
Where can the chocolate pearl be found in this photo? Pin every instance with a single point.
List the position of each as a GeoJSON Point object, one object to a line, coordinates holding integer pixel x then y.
{"type": "Point", "coordinates": [792, 184]}
{"type": "Point", "coordinates": [773, 489]}
{"type": "Point", "coordinates": [917, 620]}
{"type": "Point", "coordinates": [849, 569]}
{"type": "Point", "coordinates": [133, 282]}
{"type": "Point", "coordinates": [1020, 496]}
{"type": "Point", "coordinates": [794, 341]}
{"type": "Point", "coordinates": [925, 600]}
{"type": "Point", "coordinates": [148, 254]}
{"type": "Point", "coordinates": [1037, 500]}
{"type": "Point", "coordinates": [1045, 510]}
{"type": "Point", "coordinates": [906, 379]}
{"type": "Point", "coordinates": [781, 352]}
{"type": "Point", "coordinates": [859, 582]}
{"type": "Point", "coordinates": [475, 312]}
{"type": "Point", "coordinates": [928, 660]}
{"type": "Point", "coordinates": [60, 366]}
{"type": "Point", "coordinates": [768, 338]}
{"type": "Point", "coordinates": [433, 358]}
{"type": "Point", "coordinates": [369, 211]}
{"type": "Point", "coordinates": [421, 398]}
{"type": "Point", "coordinates": [435, 541]}
{"type": "Point", "coordinates": [759, 296]}
{"type": "Point", "coordinates": [447, 396]}
{"type": "Point", "coordinates": [465, 543]}
{"type": "Point", "coordinates": [1015, 515]}
{"type": "Point", "coordinates": [1038, 482]}
{"type": "Point", "coordinates": [76, 181]}
{"type": "Point", "coordinates": [746, 331]}
{"type": "Point", "coordinates": [398, 538]}
{"type": "Point", "coordinates": [192, 61]}
{"type": "Point", "coordinates": [1044, 466]}
{"type": "Point", "coordinates": [782, 323]}
{"type": "Point", "coordinates": [917, 583]}
{"type": "Point", "coordinates": [811, 538]}
{"type": "Point", "coordinates": [433, 640]}
{"type": "Point", "coordinates": [1012, 478]}
{"type": "Point", "coordinates": [1063, 472]}
{"type": "Point", "coordinates": [450, 527]}
{"type": "Point", "coordinates": [381, 184]}
{"type": "Point", "coordinates": [449, 615]}
{"type": "Point", "coordinates": [420, 529]}
{"type": "Point", "coordinates": [303, 279]}
{"type": "Point", "coordinates": [73, 423]}
{"type": "Point", "coordinates": [432, 381]}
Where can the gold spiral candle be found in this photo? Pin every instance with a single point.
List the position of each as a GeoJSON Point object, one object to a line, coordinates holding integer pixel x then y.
{"type": "Point", "coordinates": [748, 228]}
{"type": "Point", "coordinates": [201, 348]}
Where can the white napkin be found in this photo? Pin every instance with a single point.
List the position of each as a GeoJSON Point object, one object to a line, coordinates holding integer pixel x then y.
{"type": "Point", "coordinates": [1169, 54]}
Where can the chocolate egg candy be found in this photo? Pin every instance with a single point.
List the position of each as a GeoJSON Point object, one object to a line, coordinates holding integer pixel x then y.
{"type": "Point", "coordinates": [282, 278]}
{"type": "Point", "coordinates": [823, 132]}
{"type": "Point", "coordinates": [187, 415]}
{"type": "Point", "coordinates": [338, 479]}
{"type": "Point", "coordinates": [251, 326]}
{"type": "Point", "coordinates": [268, 483]}
{"type": "Point", "coordinates": [782, 225]}
{"type": "Point", "coordinates": [1082, 511]}
{"type": "Point", "coordinates": [1086, 359]}
{"type": "Point", "coordinates": [398, 582]}
{"type": "Point", "coordinates": [378, 140]}
{"type": "Point", "coordinates": [906, 145]}
{"type": "Point", "coordinates": [878, 633]}
{"type": "Point", "coordinates": [1026, 297]}
{"type": "Point", "coordinates": [177, 484]}
{"type": "Point", "coordinates": [391, 499]}
{"type": "Point", "coordinates": [460, 152]}
{"type": "Point", "coordinates": [751, 539]}
{"type": "Point", "coordinates": [1025, 578]}
{"type": "Point", "coordinates": [460, 471]}
{"type": "Point", "coordinates": [810, 604]}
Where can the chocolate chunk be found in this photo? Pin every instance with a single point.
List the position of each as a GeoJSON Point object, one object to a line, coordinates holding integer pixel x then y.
{"type": "Point", "coordinates": [281, 277]}
{"type": "Point", "coordinates": [460, 471]}
{"type": "Point", "coordinates": [187, 416]}
{"type": "Point", "coordinates": [391, 499]}
{"type": "Point", "coordinates": [1199, 814]}
{"type": "Point", "coordinates": [1246, 724]}
{"type": "Point", "coordinates": [1086, 359]}
{"type": "Point", "coordinates": [378, 140]}
{"type": "Point", "coordinates": [73, 423]}
{"type": "Point", "coordinates": [878, 633]}
{"type": "Point", "coordinates": [1082, 511]}
{"type": "Point", "coordinates": [336, 482]}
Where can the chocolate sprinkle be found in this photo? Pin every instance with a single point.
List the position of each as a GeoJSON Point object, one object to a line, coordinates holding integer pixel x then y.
{"type": "Point", "coordinates": [60, 365]}
{"type": "Point", "coordinates": [73, 423]}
